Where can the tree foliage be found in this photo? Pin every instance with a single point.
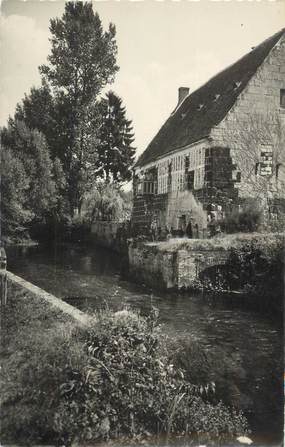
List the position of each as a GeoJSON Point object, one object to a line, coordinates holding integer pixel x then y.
{"type": "Point", "coordinates": [106, 202]}
{"type": "Point", "coordinates": [81, 63]}
{"type": "Point", "coordinates": [115, 151]}
{"type": "Point", "coordinates": [14, 183]}
{"type": "Point", "coordinates": [31, 181]}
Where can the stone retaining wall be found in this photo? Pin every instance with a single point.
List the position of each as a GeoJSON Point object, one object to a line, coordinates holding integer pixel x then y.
{"type": "Point", "coordinates": [19, 283]}
{"type": "Point", "coordinates": [167, 269]}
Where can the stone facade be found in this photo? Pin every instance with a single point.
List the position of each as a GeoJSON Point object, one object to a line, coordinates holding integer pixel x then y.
{"type": "Point", "coordinates": [200, 176]}
{"type": "Point", "coordinates": [256, 123]}
{"type": "Point", "coordinates": [241, 157]}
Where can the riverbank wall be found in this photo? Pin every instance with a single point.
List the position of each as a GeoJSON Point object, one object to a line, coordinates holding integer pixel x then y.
{"type": "Point", "coordinates": [164, 266]}
{"type": "Point", "coordinates": [251, 264]}
{"type": "Point", "coordinates": [16, 284]}
{"type": "Point", "coordinates": [110, 235]}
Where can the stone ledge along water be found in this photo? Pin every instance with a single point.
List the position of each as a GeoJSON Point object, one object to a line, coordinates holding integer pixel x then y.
{"type": "Point", "coordinates": [80, 317]}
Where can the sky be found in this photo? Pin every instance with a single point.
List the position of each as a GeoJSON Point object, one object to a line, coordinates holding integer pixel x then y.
{"type": "Point", "coordinates": [162, 45]}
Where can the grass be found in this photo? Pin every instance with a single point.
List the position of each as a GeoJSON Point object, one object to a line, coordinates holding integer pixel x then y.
{"type": "Point", "coordinates": [30, 329]}
{"type": "Point", "coordinates": [224, 242]}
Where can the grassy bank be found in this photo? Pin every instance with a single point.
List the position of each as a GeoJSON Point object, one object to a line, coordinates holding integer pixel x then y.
{"type": "Point", "coordinates": [266, 241]}
{"type": "Point", "coordinates": [120, 379]}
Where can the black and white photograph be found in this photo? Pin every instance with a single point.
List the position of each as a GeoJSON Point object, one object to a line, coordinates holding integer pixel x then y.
{"type": "Point", "coordinates": [142, 223]}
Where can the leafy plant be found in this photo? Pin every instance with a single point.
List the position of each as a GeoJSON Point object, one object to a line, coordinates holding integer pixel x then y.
{"type": "Point", "coordinates": [116, 379]}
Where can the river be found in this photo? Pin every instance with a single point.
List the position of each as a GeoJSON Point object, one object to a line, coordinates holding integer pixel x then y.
{"type": "Point", "coordinates": [249, 343]}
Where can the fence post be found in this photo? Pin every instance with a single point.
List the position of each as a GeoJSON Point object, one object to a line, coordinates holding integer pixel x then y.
{"type": "Point", "coordinates": [3, 276]}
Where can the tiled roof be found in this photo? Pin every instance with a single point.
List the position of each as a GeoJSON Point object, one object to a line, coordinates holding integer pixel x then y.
{"type": "Point", "coordinates": [207, 106]}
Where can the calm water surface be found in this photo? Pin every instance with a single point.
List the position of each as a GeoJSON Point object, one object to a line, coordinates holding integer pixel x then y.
{"type": "Point", "coordinates": [251, 343]}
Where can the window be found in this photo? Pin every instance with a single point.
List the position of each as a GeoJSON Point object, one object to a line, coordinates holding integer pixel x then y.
{"type": "Point", "coordinates": [278, 170]}
{"type": "Point", "coordinates": [236, 175]}
{"type": "Point", "coordinates": [282, 98]}
{"type": "Point", "coordinates": [266, 163]}
{"type": "Point", "coordinates": [190, 180]}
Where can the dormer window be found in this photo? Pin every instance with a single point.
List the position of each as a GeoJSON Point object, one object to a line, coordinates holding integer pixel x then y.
{"type": "Point", "coordinates": [282, 98]}
{"type": "Point", "coordinates": [200, 106]}
{"type": "Point", "coordinates": [217, 96]}
{"type": "Point", "coordinates": [237, 84]}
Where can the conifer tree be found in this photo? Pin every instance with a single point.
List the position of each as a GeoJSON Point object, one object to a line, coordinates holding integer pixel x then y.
{"type": "Point", "coordinates": [115, 150]}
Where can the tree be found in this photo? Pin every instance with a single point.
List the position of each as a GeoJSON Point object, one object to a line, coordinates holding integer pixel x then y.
{"type": "Point", "coordinates": [42, 111]}
{"type": "Point", "coordinates": [106, 202]}
{"type": "Point", "coordinates": [30, 179]}
{"type": "Point", "coordinates": [115, 151]}
{"type": "Point", "coordinates": [14, 183]}
{"type": "Point", "coordinates": [81, 63]}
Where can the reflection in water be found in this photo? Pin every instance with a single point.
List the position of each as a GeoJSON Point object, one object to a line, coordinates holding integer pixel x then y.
{"type": "Point", "coordinates": [89, 278]}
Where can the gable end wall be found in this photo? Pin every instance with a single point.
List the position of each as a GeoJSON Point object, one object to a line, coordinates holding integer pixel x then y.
{"type": "Point", "coordinates": [261, 97]}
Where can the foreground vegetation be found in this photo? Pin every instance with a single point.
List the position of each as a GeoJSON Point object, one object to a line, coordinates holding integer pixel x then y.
{"type": "Point", "coordinates": [120, 379]}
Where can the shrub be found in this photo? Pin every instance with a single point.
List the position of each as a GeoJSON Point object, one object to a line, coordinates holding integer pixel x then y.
{"type": "Point", "coordinates": [134, 391]}
{"type": "Point", "coordinates": [115, 380]}
{"type": "Point", "coordinates": [247, 220]}
{"type": "Point", "coordinates": [257, 268]}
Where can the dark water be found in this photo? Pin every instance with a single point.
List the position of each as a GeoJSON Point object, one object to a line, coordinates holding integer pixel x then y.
{"type": "Point", "coordinates": [249, 343]}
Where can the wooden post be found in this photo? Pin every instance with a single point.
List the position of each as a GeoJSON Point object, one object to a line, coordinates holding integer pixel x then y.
{"type": "Point", "coordinates": [3, 277]}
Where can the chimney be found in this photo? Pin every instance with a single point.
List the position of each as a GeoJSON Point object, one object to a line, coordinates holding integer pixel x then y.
{"type": "Point", "coordinates": [182, 93]}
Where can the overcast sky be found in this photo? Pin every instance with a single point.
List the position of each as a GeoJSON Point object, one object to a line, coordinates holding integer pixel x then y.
{"type": "Point", "coordinates": [162, 45]}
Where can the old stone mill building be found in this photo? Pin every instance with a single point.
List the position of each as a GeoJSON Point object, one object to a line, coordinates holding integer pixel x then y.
{"type": "Point", "coordinates": [222, 146]}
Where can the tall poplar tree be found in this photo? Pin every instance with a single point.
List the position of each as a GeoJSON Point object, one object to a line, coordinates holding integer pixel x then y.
{"type": "Point", "coordinates": [81, 63]}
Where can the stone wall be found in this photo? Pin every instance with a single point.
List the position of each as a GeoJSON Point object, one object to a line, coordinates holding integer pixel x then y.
{"type": "Point", "coordinates": [168, 269]}
{"type": "Point", "coordinates": [176, 208]}
{"type": "Point", "coordinates": [15, 282]}
{"type": "Point", "coordinates": [257, 122]}
{"type": "Point", "coordinates": [152, 267]}
{"type": "Point", "coordinates": [148, 207]}
{"type": "Point", "coordinates": [184, 203]}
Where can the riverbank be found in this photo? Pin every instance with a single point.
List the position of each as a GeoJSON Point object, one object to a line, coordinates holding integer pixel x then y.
{"type": "Point", "coordinates": [117, 379]}
{"type": "Point", "coordinates": [245, 344]}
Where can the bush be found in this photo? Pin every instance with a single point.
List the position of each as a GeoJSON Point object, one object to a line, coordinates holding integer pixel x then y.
{"type": "Point", "coordinates": [115, 380]}
{"type": "Point", "coordinates": [257, 268]}
{"type": "Point", "coordinates": [64, 230]}
{"type": "Point", "coordinates": [247, 220]}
